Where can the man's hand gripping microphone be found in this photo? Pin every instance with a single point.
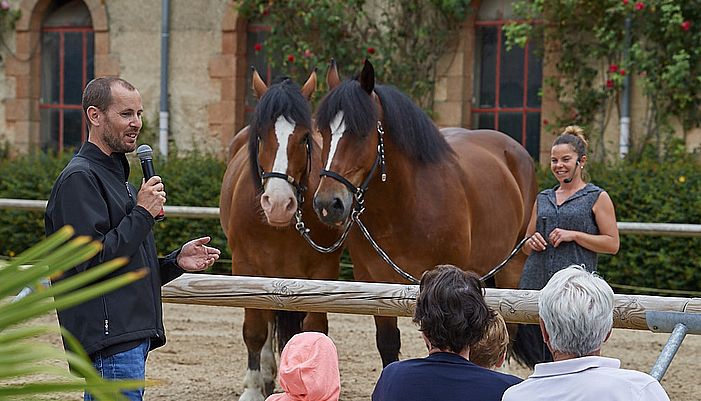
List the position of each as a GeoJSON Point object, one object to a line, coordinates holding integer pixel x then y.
{"type": "Point", "coordinates": [145, 155]}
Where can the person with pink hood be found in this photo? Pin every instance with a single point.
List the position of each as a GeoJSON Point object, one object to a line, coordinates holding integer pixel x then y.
{"type": "Point", "coordinates": [309, 369]}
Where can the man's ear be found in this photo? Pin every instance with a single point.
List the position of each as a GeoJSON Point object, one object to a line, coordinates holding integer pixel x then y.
{"type": "Point", "coordinates": [93, 115]}
{"type": "Point", "coordinates": [544, 331]}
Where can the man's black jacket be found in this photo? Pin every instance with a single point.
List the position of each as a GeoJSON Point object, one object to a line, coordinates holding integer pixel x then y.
{"type": "Point", "coordinates": [92, 194]}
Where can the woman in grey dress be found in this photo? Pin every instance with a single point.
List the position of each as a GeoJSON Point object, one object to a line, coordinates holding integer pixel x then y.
{"type": "Point", "coordinates": [570, 224]}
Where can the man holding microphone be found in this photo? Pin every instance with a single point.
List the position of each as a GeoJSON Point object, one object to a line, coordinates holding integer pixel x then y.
{"type": "Point", "coordinates": [93, 195]}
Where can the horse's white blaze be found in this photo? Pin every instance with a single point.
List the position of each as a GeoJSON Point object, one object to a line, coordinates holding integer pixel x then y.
{"type": "Point", "coordinates": [338, 128]}
{"type": "Point", "coordinates": [278, 193]}
{"type": "Point", "coordinates": [283, 132]}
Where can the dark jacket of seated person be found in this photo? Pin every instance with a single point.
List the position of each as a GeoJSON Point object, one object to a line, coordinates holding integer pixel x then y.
{"type": "Point", "coordinates": [452, 316]}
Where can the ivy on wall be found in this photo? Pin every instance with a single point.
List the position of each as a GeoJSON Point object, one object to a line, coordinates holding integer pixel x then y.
{"type": "Point", "coordinates": [8, 18]}
{"type": "Point", "coordinates": [589, 37]}
{"type": "Point", "coordinates": [404, 38]}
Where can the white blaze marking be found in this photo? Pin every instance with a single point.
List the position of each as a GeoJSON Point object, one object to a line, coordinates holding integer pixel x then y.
{"type": "Point", "coordinates": [283, 131]}
{"type": "Point", "coordinates": [338, 127]}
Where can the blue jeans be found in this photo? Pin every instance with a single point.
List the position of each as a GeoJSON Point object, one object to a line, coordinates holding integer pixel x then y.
{"type": "Point", "coordinates": [129, 364]}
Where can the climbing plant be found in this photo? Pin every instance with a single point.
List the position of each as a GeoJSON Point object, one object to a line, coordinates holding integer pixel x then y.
{"type": "Point", "coordinates": [588, 37]}
{"type": "Point", "coordinates": [403, 38]}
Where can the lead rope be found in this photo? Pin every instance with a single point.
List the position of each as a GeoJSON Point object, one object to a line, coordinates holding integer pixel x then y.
{"type": "Point", "coordinates": [501, 265]}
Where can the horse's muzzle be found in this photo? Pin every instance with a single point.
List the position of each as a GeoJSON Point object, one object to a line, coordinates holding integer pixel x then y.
{"type": "Point", "coordinates": [333, 208]}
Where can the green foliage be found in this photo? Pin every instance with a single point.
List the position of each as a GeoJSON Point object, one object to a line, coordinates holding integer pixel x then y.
{"type": "Point", "coordinates": [646, 190]}
{"type": "Point", "coordinates": [25, 359]}
{"type": "Point", "coordinates": [194, 180]}
{"type": "Point", "coordinates": [589, 37]}
{"type": "Point", "coordinates": [404, 38]}
{"type": "Point", "coordinates": [27, 177]}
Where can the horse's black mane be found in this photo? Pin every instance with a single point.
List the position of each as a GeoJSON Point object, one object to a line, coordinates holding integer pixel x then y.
{"type": "Point", "coordinates": [283, 98]}
{"type": "Point", "coordinates": [412, 130]}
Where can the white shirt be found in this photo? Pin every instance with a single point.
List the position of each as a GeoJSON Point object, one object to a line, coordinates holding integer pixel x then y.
{"type": "Point", "coordinates": [589, 378]}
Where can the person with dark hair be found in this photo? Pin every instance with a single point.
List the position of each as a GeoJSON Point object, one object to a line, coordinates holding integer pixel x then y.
{"type": "Point", "coordinates": [576, 318]}
{"type": "Point", "coordinates": [570, 224]}
{"type": "Point", "coordinates": [452, 316]}
{"type": "Point", "coordinates": [92, 194]}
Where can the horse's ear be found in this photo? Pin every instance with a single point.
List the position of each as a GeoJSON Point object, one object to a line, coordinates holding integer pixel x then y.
{"type": "Point", "coordinates": [332, 78]}
{"type": "Point", "coordinates": [309, 86]}
{"type": "Point", "coordinates": [367, 77]}
{"type": "Point", "coordinates": [259, 87]}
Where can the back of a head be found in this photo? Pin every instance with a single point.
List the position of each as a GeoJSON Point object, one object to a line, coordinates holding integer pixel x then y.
{"type": "Point", "coordinates": [309, 369]}
{"type": "Point", "coordinates": [577, 309]}
{"type": "Point", "coordinates": [491, 349]}
{"type": "Point", "coordinates": [450, 308]}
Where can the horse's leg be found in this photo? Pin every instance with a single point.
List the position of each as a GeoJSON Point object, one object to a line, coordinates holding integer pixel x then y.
{"type": "Point", "coordinates": [256, 331]}
{"type": "Point", "coordinates": [387, 338]}
{"type": "Point", "coordinates": [268, 365]}
{"type": "Point", "coordinates": [316, 322]}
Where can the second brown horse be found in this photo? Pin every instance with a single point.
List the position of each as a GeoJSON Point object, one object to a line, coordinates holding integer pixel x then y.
{"type": "Point", "coordinates": [427, 196]}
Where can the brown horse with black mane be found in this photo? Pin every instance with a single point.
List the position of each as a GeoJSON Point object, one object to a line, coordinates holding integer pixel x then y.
{"type": "Point", "coordinates": [268, 177]}
{"type": "Point", "coordinates": [426, 196]}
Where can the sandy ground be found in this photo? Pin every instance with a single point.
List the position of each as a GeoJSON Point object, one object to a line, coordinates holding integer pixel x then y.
{"type": "Point", "coordinates": [205, 357]}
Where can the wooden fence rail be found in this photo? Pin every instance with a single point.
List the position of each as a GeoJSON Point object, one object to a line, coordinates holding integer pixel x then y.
{"type": "Point", "coordinates": [517, 306]}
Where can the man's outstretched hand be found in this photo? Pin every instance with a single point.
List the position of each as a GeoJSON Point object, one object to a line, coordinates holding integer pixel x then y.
{"type": "Point", "coordinates": [197, 256]}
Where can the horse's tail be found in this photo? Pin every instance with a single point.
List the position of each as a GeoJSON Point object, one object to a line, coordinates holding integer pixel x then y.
{"type": "Point", "coordinates": [287, 324]}
{"type": "Point", "coordinates": [528, 347]}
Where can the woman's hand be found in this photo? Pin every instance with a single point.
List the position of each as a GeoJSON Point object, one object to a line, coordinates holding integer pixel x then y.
{"type": "Point", "coordinates": [558, 236]}
{"type": "Point", "coordinates": [537, 242]}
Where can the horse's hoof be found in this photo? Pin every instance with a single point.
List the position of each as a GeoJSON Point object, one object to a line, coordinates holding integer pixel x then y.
{"type": "Point", "coordinates": [251, 394]}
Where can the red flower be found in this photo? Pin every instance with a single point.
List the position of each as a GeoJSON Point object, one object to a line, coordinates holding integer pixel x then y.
{"type": "Point", "coordinates": [266, 12]}
{"type": "Point", "coordinates": [609, 83]}
{"type": "Point", "coordinates": [639, 5]}
{"type": "Point", "coordinates": [686, 25]}
{"type": "Point", "coordinates": [545, 122]}
{"type": "Point", "coordinates": [613, 68]}
{"type": "Point", "coordinates": [307, 53]}
{"type": "Point", "coordinates": [622, 72]}
{"type": "Point", "coordinates": [291, 58]}
{"type": "Point", "coordinates": [625, 2]}
{"type": "Point", "coordinates": [257, 47]}
{"type": "Point", "coordinates": [371, 50]}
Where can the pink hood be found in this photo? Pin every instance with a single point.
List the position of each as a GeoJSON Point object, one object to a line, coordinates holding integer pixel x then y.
{"type": "Point", "coordinates": [309, 369]}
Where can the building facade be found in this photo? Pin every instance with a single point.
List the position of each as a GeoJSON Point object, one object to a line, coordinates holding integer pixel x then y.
{"type": "Point", "coordinates": [57, 46]}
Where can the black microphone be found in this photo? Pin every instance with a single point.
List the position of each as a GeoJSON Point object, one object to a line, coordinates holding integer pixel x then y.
{"type": "Point", "coordinates": [566, 180]}
{"type": "Point", "coordinates": [145, 154]}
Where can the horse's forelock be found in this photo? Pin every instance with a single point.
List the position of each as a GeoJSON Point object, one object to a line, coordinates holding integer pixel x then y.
{"type": "Point", "coordinates": [412, 130]}
{"type": "Point", "coordinates": [359, 114]}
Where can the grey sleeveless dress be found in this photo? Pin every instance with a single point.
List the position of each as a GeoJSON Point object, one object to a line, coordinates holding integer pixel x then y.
{"type": "Point", "coordinates": [574, 214]}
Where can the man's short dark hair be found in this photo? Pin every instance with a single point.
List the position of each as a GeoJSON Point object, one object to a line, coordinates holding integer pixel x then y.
{"type": "Point", "coordinates": [98, 92]}
{"type": "Point", "coordinates": [450, 309]}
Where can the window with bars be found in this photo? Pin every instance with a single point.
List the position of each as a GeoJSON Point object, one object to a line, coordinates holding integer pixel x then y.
{"type": "Point", "coordinates": [67, 43]}
{"type": "Point", "coordinates": [507, 82]}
